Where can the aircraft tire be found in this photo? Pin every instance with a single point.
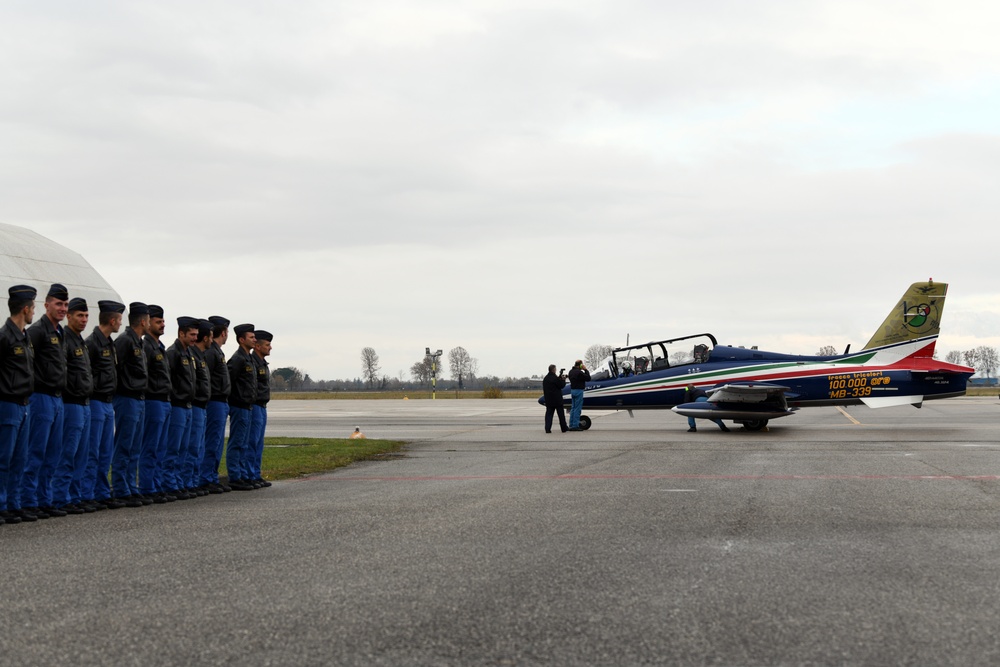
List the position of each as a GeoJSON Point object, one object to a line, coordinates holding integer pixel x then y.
{"type": "Point", "coordinates": [584, 423]}
{"type": "Point", "coordinates": [755, 424]}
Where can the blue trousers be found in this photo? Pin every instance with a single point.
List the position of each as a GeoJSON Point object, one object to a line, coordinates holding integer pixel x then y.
{"type": "Point", "coordinates": [154, 446]}
{"type": "Point", "coordinates": [239, 441]}
{"type": "Point", "coordinates": [13, 443]}
{"type": "Point", "coordinates": [691, 422]}
{"type": "Point", "coordinates": [576, 407]}
{"type": "Point", "coordinates": [196, 448]}
{"type": "Point", "coordinates": [255, 451]}
{"type": "Point", "coordinates": [76, 438]}
{"type": "Point", "coordinates": [216, 415]}
{"type": "Point", "coordinates": [44, 449]}
{"type": "Point", "coordinates": [95, 484]}
{"type": "Point", "coordinates": [77, 486]}
{"type": "Point", "coordinates": [178, 435]}
{"type": "Point", "coordinates": [128, 441]}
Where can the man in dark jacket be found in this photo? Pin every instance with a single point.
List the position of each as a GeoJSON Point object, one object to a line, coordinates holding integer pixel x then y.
{"type": "Point", "coordinates": [552, 387]}
{"type": "Point", "coordinates": [693, 394]}
{"type": "Point", "coordinates": [579, 376]}
{"type": "Point", "coordinates": [242, 396]}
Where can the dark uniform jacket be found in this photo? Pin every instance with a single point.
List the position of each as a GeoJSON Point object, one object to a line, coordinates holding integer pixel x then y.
{"type": "Point", "coordinates": [182, 375]}
{"type": "Point", "coordinates": [242, 379]}
{"type": "Point", "coordinates": [202, 383]}
{"type": "Point", "coordinates": [16, 365]}
{"type": "Point", "coordinates": [157, 370]}
{"type": "Point", "coordinates": [552, 387]}
{"type": "Point", "coordinates": [131, 365]}
{"type": "Point", "coordinates": [263, 380]}
{"type": "Point", "coordinates": [50, 358]}
{"type": "Point", "coordinates": [578, 378]}
{"type": "Point", "coordinates": [102, 365]}
{"type": "Point", "coordinates": [79, 379]}
{"type": "Point", "coordinates": [215, 359]}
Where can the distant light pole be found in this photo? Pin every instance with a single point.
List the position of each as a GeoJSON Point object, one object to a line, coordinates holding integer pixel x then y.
{"type": "Point", "coordinates": [434, 358]}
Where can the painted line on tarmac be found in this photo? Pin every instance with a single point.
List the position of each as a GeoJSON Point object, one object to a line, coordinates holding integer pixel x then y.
{"type": "Point", "coordinates": [778, 478]}
{"type": "Point", "coordinates": [845, 413]}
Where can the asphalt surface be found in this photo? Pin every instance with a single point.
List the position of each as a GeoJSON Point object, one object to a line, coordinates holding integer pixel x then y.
{"type": "Point", "coordinates": [836, 538]}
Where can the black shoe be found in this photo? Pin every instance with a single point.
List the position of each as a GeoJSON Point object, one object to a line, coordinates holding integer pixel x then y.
{"type": "Point", "coordinates": [25, 515]}
{"type": "Point", "coordinates": [144, 499]}
{"type": "Point", "coordinates": [89, 506]}
{"type": "Point", "coordinates": [10, 517]}
{"type": "Point", "coordinates": [263, 482]}
{"type": "Point", "coordinates": [73, 508]}
{"type": "Point", "coordinates": [54, 512]}
{"type": "Point", "coordinates": [38, 512]}
{"type": "Point", "coordinates": [240, 485]}
{"type": "Point", "coordinates": [160, 498]}
{"type": "Point", "coordinates": [215, 489]}
{"type": "Point", "coordinates": [112, 503]}
{"type": "Point", "coordinates": [692, 430]}
{"type": "Point", "coordinates": [130, 501]}
{"type": "Point", "coordinates": [225, 487]}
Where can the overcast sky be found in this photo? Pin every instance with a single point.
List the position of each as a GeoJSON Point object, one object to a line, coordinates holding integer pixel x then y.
{"type": "Point", "coordinates": [523, 179]}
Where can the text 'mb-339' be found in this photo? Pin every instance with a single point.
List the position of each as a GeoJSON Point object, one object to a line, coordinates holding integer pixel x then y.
{"type": "Point", "coordinates": [750, 387]}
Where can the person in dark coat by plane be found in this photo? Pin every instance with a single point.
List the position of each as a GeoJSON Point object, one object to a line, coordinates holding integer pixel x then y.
{"type": "Point", "coordinates": [552, 387]}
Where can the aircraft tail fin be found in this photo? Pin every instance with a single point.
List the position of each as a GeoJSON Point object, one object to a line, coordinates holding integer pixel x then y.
{"type": "Point", "coordinates": [916, 316]}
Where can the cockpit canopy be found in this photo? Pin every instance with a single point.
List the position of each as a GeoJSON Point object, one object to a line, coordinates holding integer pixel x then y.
{"type": "Point", "coordinates": [656, 356]}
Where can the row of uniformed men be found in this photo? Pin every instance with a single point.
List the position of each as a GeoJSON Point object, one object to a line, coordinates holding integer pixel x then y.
{"type": "Point", "coordinates": [71, 409]}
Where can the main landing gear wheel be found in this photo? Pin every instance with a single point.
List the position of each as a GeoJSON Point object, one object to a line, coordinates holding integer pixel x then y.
{"type": "Point", "coordinates": [755, 424]}
{"type": "Point", "coordinates": [584, 422]}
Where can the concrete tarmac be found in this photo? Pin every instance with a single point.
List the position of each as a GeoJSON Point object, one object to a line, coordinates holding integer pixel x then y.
{"type": "Point", "coordinates": [839, 537]}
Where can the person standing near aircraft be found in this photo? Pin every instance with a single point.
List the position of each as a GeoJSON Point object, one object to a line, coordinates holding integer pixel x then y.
{"type": "Point", "coordinates": [16, 385]}
{"type": "Point", "coordinates": [156, 415]}
{"type": "Point", "coordinates": [46, 406]}
{"type": "Point", "coordinates": [694, 395]}
{"type": "Point", "coordinates": [261, 350]}
{"type": "Point", "coordinates": [579, 376]}
{"type": "Point", "coordinates": [76, 408]}
{"type": "Point", "coordinates": [183, 378]}
{"type": "Point", "coordinates": [129, 402]}
{"type": "Point", "coordinates": [243, 380]}
{"type": "Point", "coordinates": [552, 386]}
{"type": "Point", "coordinates": [217, 411]}
{"type": "Point", "coordinates": [95, 489]}
{"type": "Point", "coordinates": [199, 404]}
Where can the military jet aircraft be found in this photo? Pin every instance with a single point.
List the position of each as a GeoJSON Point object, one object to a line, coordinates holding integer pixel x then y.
{"type": "Point", "coordinates": [751, 386]}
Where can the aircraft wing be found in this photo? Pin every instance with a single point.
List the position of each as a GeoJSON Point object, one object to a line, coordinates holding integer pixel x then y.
{"type": "Point", "coordinates": [740, 401]}
{"type": "Point", "coordinates": [749, 392]}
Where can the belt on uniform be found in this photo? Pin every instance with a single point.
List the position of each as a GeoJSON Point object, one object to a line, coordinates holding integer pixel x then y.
{"type": "Point", "coordinates": [199, 404]}
{"type": "Point", "coordinates": [56, 393]}
{"type": "Point", "coordinates": [103, 398]}
{"type": "Point", "coordinates": [261, 404]}
{"type": "Point", "coordinates": [181, 404]}
{"type": "Point", "coordinates": [157, 397]}
{"type": "Point", "coordinates": [16, 400]}
{"type": "Point", "coordinates": [76, 400]}
{"type": "Point", "coordinates": [128, 393]}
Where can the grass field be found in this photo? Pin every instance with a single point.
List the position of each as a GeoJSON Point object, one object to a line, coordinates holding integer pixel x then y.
{"type": "Point", "coordinates": [397, 395]}
{"type": "Point", "coordinates": [285, 458]}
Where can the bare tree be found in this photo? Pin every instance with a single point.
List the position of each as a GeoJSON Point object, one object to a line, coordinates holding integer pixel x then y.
{"type": "Point", "coordinates": [983, 359]}
{"type": "Point", "coordinates": [827, 351]}
{"type": "Point", "coordinates": [596, 354]}
{"type": "Point", "coordinates": [369, 366]}
{"type": "Point", "coordinates": [461, 365]}
{"type": "Point", "coordinates": [954, 357]}
{"type": "Point", "coordinates": [421, 371]}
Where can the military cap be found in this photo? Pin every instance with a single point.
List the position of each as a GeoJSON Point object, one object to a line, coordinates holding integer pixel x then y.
{"type": "Point", "coordinates": [138, 308]}
{"type": "Point", "coordinates": [22, 294]}
{"type": "Point", "coordinates": [241, 329]}
{"type": "Point", "coordinates": [108, 306]}
{"type": "Point", "coordinates": [219, 321]}
{"type": "Point", "coordinates": [58, 291]}
{"type": "Point", "coordinates": [260, 334]}
{"type": "Point", "coordinates": [185, 322]}
{"type": "Point", "coordinates": [204, 326]}
{"type": "Point", "coordinates": [155, 311]}
{"type": "Point", "coordinates": [78, 303]}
